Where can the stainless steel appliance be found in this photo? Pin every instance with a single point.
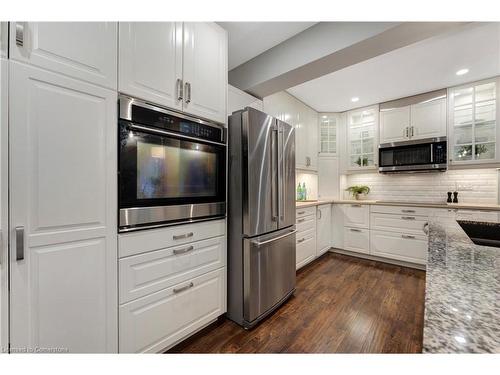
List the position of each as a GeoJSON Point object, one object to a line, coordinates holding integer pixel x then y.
{"type": "Point", "coordinates": [425, 155]}
{"type": "Point", "coordinates": [261, 215]}
{"type": "Point", "coordinates": [171, 167]}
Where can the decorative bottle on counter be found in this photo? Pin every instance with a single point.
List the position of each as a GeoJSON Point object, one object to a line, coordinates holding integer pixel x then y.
{"type": "Point", "coordinates": [449, 200]}
{"type": "Point", "coordinates": [304, 191]}
{"type": "Point", "coordinates": [299, 192]}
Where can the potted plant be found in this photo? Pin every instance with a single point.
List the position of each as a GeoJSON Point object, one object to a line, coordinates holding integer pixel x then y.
{"type": "Point", "coordinates": [357, 190]}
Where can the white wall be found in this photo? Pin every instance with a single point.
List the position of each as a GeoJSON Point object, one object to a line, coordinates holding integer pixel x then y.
{"type": "Point", "coordinates": [473, 185]}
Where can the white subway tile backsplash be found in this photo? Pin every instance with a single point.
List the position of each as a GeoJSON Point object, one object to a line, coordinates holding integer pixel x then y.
{"type": "Point", "coordinates": [473, 185]}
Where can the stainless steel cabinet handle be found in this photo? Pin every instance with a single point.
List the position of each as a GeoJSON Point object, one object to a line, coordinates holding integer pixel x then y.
{"type": "Point", "coordinates": [300, 220]}
{"type": "Point", "coordinates": [355, 205]}
{"type": "Point", "coordinates": [406, 132]}
{"type": "Point", "coordinates": [412, 131]}
{"type": "Point", "coordinates": [181, 236]}
{"type": "Point", "coordinates": [19, 34]}
{"type": "Point", "coordinates": [183, 288]}
{"type": "Point", "coordinates": [320, 213]}
{"type": "Point", "coordinates": [188, 92]}
{"type": "Point", "coordinates": [301, 240]}
{"type": "Point", "coordinates": [184, 250]}
{"type": "Point", "coordinates": [426, 228]}
{"type": "Point", "coordinates": [19, 243]}
{"type": "Point", "coordinates": [408, 211]}
{"type": "Point", "coordinates": [180, 93]}
{"type": "Point", "coordinates": [355, 230]}
{"type": "Point", "coordinates": [408, 217]}
{"type": "Point", "coordinates": [408, 237]}
{"type": "Point", "coordinates": [301, 212]}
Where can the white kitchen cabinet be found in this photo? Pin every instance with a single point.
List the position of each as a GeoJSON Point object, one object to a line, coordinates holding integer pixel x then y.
{"type": "Point", "coordinates": [150, 55]}
{"type": "Point", "coordinates": [4, 40]}
{"type": "Point", "coordinates": [63, 257]}
{"type": "Point", "coordinates": [306, 236]}
{"type": "Point", "coordinates": [305, 121]}
{"type": "Point", "coordinates": [323, 229]}
{"type": "Point", "coordinates": [362, 138]}
{"type": "Point", "coordinates": [356, 215]}
{"type": "Point", "coordinates": [428, 119]}
{"type": "Point", "coordinates": [83, 50]}
{"type": "Point", "coordinates": [205, 70]}
{"type": "Point", "coordinates": [178, 65]}
{"type": "Point", "coordinates": [328, 178]}
{"type": "Point", "coordinates": [394, 124]}
{"type": "Point", "coordinates": [357, 240]}
{"type": "Point", "coordinates": [160, 320]}
{"type": "Point", "coordinates": [409, 224]}
{"type": "Point", "coordinates": [478, 215]}
{"type": "Point", "coordinates": [4, 199]}
{"type": "Point", "coordinates": [238, 100]}
{"type": "Point", "coordinates": [328, 125]}
{"type": "Point", "coordinates": [473, 129]}
{"type": "Point", "coordinates": [400, 246]}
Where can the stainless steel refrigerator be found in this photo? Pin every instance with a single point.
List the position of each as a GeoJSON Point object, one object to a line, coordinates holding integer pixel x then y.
{"type": "Point", "coordinates": [261, 215]}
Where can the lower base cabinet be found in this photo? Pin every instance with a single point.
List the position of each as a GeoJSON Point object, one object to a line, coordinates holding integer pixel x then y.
{"type": "Point", "coordinates": [306, 247]}
{"type": "Point", "coordinates": [406, 247]}
{"type": "Point", "coordinates": [357, 240]}
{"type": "Point", "coordinates": [154, 323]}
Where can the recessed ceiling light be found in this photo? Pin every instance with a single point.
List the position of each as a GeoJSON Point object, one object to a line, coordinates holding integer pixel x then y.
{"type": "Point", "coordinates": [354, 99]}
{"type": "Point", "coordinates": [461, 72]}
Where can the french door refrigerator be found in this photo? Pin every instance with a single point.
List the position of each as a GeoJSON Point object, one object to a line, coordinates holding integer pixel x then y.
{"type": "Point", "coordinates": [261, 215]}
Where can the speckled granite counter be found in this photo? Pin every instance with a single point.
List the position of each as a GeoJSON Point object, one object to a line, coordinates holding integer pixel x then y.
{"type": "Point", "coordinates": [462, 296]}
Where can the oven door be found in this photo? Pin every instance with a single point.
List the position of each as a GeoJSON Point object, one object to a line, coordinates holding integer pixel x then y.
{"type": "Point", "coordinates": [166, 178]}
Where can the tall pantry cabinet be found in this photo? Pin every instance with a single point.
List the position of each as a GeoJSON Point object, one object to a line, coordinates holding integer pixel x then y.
{"type": "Point", "coordinates": [63, 248]}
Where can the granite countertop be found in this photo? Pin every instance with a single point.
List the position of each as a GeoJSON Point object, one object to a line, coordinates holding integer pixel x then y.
{"type": "Point", "coordinates": [462, 293]}
{"type": "Point", "coordinates": [469, 206]}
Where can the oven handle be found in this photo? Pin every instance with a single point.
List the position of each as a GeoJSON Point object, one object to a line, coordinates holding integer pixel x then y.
{"type": "Point", "coordinates": [164, 132]}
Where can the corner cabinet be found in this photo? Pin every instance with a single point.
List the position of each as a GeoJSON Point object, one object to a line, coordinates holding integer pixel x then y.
{"type": "Point", "coordinates": [323, 229]}
{"type": "Point", "coordinates": [178, 65]}
{"type": "Point", "coordinates": [362, 138]}
{"type": "Point", "coordinates": [328, 125]}
{"type": "Point", "coordinates": [473, 128]}
{"type": "Point", "coordinates": [82, 50]}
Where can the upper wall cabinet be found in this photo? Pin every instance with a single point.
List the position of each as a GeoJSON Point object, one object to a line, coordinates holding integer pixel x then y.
{"type": "Point", "coordinates": [473, 119]}
{"type": "Point", "coordinates": [150, 67]}
{"type": "Point", "coordinates": [178, 65]}
{"type": "Point", "coordinates": [82, 50]}
{"type": "Point", "coordinates": [305, 121]}
{"type": "Point", "coordinates": [417, 117]}
{"type": "Point", "coordinates": [362, 138]}
{"type": "Point", "coordinates": [328, 124]}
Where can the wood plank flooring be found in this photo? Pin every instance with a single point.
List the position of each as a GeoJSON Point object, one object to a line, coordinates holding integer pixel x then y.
{"type": "Point", "coordinates": [342, 305]}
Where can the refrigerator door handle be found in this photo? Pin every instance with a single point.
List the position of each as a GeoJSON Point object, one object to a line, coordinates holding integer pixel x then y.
{"type": "Point", "coordinates": [274, 173]}
{"type": "Point", "coordinates": [281, 169]}
{"type": "Point", "coordinates": [257, 243]}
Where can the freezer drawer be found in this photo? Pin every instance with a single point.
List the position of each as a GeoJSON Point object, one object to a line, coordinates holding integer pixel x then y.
{"type": "Point", "coordinates": [269, 272]}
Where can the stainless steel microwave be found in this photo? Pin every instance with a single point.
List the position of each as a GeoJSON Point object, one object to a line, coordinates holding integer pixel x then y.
{"type": "Point", "coordinates": [425, 155]}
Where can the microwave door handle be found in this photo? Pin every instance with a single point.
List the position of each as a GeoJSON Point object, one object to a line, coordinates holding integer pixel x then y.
{"type": "Point", "coordinates": [432, 153]}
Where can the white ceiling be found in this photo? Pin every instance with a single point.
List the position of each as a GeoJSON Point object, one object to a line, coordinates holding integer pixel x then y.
{"type": "Point", "coordinates": [420, 67]}
{"type": "Point", "coordinates": [250, 39]}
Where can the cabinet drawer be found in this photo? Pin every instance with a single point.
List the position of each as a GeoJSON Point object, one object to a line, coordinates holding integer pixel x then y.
{"type": "Point", "coordinates": [160, 320]}
{"type": "Point", "coordinates": [357, 215]}
{"type": "Point", "coordinates": [156, 239]}
{"type": "Point", "coordinates": [476, 215]}
{"type": "Point", "coordinates": [147, 273]}
{"type": "Point", "coordinates": [306, 223]}
{"type": "Point", "coordinates": [409, 248]}
{"type": "Point", "coordinates": [404, 210]}
{"type": "Point", "coordinates": [357, 239]}
{"type": "Point", "coordinates": [398, 223]}
{"type": "Point", "coordinates": [301, 212]}
{"type": "Point", "coordinates": [444, 213]}
{"type": "Point", "coordinates": [305, 248]}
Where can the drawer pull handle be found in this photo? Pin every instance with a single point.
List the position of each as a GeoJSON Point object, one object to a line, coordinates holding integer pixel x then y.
{"type": "Point", "coordinates": [408, 217]}
{"type": "Point", "coordinates": [408, 211]}
{"type": "Point", "coordinates": [408, 237]}
{"type": "Point", "coordinates": [300, 220]}
{"type": "Point", "coordinates": [184, 250]}
{"type": "Point", "coordinates": [355, 205]}
{"type": "Point", "coordinates": [181, 236]}
{"type": "Point", "coordinates": [301, 212]}
{"type": "Point", "coordinates": [355, 230]}
{"type": "Point", "coordinates": [301, 240]}
{"type": "Point", "coordinates": [183, 288]}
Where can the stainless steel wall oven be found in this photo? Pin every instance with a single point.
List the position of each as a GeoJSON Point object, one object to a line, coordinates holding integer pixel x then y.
{"type": "Point", "coordinates": [171, 167]}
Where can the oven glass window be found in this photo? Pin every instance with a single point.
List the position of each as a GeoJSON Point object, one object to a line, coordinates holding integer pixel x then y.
{"type": "Point", "coordinates": [175, 170]}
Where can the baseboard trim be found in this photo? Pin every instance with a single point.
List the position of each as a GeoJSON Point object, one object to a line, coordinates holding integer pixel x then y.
{"type": "Point", "coordinates": [379, 259]}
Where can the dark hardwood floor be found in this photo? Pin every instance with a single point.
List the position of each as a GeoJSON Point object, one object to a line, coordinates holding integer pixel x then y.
{"type": "Point", "coordinates": [342, 305]}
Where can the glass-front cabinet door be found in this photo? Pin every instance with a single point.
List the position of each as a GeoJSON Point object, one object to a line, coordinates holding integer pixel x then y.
{"type": "Point", "coordinates": [362, 140]}
{"type": "Point", "coordinates": [328, 134]}
{"type": "Point", "coordinates": [473, 118]}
